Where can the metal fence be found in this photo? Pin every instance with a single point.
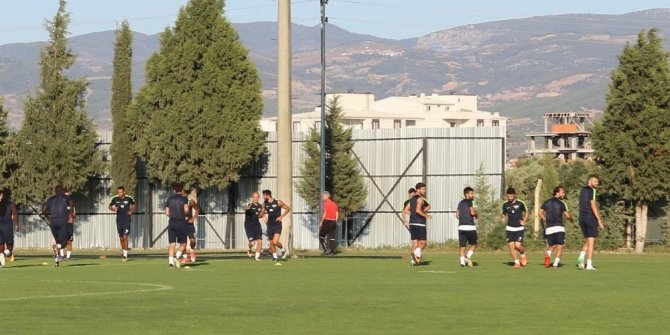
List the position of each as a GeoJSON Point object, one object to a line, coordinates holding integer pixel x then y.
{"type": "Point", "coordinates": [391, 161]}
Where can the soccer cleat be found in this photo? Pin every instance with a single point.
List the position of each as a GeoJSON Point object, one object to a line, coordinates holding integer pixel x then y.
{"type": "Point", "coordinates": [170, 266]}
{"type": "Point", "coordinates": [124, 258]}
{"type": "Point", "coordinates": [193, 256]}
{"type": "Point", "coordinates": [258, 260]}
{"type": "Point", "coordinates": [580, 266]}
{"type": "Point", "coordinates": [274, 260]}
{"type": "Point", "coordinates": [547, 261]}
{"type": "Point", "coordinates": [412, 262]}
{"type": "Point", "coordinates": [517, 265]}
{"type": "Point", "coordinates": [555, 266]}
{"type": "Point", "coordinates": [58, 259]}
{"type": "Point", "coordinates": [462, 265]}
{"type": "Point", "coordinates": [249, 253]}
{"type": "Point", "coordinates": [285, 254]}
{"type": "Point", "coordinates": [524, 261]}
{"type": "Point", "coordinates": [2, 260]}
{"type": "Point", "coordinates": [468, 261]}
{"type": "Point", "coordinates": [590, 268]}
{"type": "Point", "coordinates": [414, 259]}
{"type": "Point", "coordinates": [177, 264]}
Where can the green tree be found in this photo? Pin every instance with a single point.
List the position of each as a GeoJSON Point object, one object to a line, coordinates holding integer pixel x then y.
{"type": "Point", "coordinates": [122, 150]}
{"type": "Point", "coordinates": [343, 178]}
{"type": "Point", "coordinates": [632, 140]}
{"type": "Point", "coordinates": [57, 142]}
{"type": "Point", "coordinates": [6, 143]}
{"type": "Point", "coordinates": [197, 118]}
{"type": "Point", "coordinates": [488, 206]}
{"type": "Point", "coordinates": [550, 178]}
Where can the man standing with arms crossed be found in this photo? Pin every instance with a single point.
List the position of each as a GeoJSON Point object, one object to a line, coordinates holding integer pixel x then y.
{"type": "Point", "coordinates": [273, 210]}
{"type": "Point", "coordinates": [589, 220]}
{"type": "Point", "coordinates": [176, 208]}
{"type": "Point", "coordinates": [515, 213]}
{"type": "Point", "coordinates": [328, 224]}
{"type": "Point", "coordinates": [552, 213]}
{"type": "Point", "coordinates": [124, 206]}
{"type": "Point", "coordinates": [60, 211]}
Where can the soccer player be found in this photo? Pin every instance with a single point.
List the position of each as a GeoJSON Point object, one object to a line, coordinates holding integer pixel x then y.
{"type": "Point", "coordinates": [60, 211]}
{"type": "Point", "coordinates": [467, 231]}
{"type": "Point", "coordinates": [193, 213]}
{"type": "Point", "coordinates": [274, 215]}
{"type": "Point", "coordinates": [70, 232]}
{"type": "Point", "coordinates": [176, 208]}
{"type": "Point", "coordinates": [589, 221]}
{"type": "Point", "coordinates": [9, 223]}
{"type": "Point", "coordinates": [411, 193]}
{"type": "Point", "coordinates": [328, 224]}
{"type": "Point", "coordinates": [552, 213]}
{"type": "Point", "coordinates": [515, 214]}
{"type": "Point", "coordinates": [124, 206]}
{"type": "Point", "coordinates": [417, 210]}
{"type": "Point", "coordinates": [253, 212]}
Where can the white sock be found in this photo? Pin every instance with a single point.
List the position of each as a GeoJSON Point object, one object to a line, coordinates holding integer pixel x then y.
{"type": "Point", "coordinates": [283, 251]}
{"type": "Point", "coordinates": [516, 261]}
{"type": "Point", "coordinates": [523, 255]}
{"type": "Point", "coordinates": [125, 253]}
{"type": "Point", "coordinates": [171, 260]}
{"type": "Point", "coordinates": [68, 254]}
{"type": "Point", "coordinates": [178, 255]}
{"type": "Point", "coordinates": [589, 263]}
{"type": "Point", "coordinates": [7, 252]}
{"type": "Point", "coordinates": [462, 259]}
{"type": "Point", "coordinates": [470, 253]}
{"type": "Point", "coordinates": [62, 252]}
{"type": "Point", "coordinates": [556, 261]}
{"type": "Point", "coordinates": [549, 253]}
{"type": "Point", "coordinates": [417, 252]}
{"type": "Point", "coordinates": [258, 255]}
{"type": "Point", "coordinates": [582, 254]}
{"type": "Point", "coordinates": [274, 255]}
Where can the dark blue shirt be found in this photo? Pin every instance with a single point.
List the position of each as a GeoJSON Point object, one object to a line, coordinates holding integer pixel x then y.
{"type": "Point", "coordinates": [273, 210]}
{"type": "Point", "coordinates": [414, 217]}
{"type": "Point", "coordinates": [9, 211]}
{"type": "Point", "coordinates": [251, 214]}
{"type": "Point", "coordinates": [122, 207]}
{"type": "Point", "coordinates": [514, 211]}
{"type": "Point", "coordinates": [553, 211]}
{"type": "Point", "coordinates": [59, 208]}
{"type": "Point", "coordinates": [586, 195]}
{"type": "Point", "coordinates": [176, 204]}
{"type": "Point", "coordinates": [465, 217]}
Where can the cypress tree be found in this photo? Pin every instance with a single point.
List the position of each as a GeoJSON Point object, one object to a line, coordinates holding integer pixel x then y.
{"type": "Point", "coordinates": [343, 178]}
{"type": "Point", "coordinates": [197, 118]}
{"type": "Point", "coordinates": [123, 153]}
{"type": "Point", "coordinates": [57, 142]}
{"type": "Point", "coordinates": [631, 140]}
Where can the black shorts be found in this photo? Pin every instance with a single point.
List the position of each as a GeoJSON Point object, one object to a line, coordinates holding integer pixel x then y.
{"type": "Point", "coordinates": [466, 237]}
{"type": "Point", "coordinates": [589, 226]}
{"type": "Point", "coordinates": [70, 232]}
{"type": "Point", "coordinates": [59, 230]}
{"type": "Point", "coordinates": [177, 232]}
{"type": "Point", "coordinates": [123, 228]}
{"type": "Point", "coordinates": [190, 231]}
{"type": "Point", "coordinates": [418, 232]}
{"type": "Point", "coordinates": [514, 236]}
{"type": "Point", "coordinates": [556, 239]}
{"type": "Point", "coordinates": [274, 229]}
{"type": "Point", "coordinates": [254, 231]}
{"type": "Point", "coordinates": [7, 233]}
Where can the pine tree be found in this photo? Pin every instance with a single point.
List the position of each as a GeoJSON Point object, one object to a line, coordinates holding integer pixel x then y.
{"type": "Point", "coordinates": [6, 143]}
{"type": "Point", "coordinates": [488, 206]}
{"type": "Point", "coordinates": [631, 140]}
{"type": "Point", "coordinates": [343, 178]}
{"type": "Point", "coordinates": [197, 118]}
{"type": "Point", "coordinates": [122, 150]}
{"type": "Point", "coordinates": [57, 142]}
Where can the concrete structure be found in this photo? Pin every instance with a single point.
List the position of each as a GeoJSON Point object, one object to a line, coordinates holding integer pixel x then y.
{"type": "Point", "coordinates": [361, 111]}
{"type": "Point", "coordinates": [565, 135]}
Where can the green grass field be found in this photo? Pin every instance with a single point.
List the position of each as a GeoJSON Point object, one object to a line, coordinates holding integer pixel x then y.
{"type": "Point", "coordinates": [348, 294]}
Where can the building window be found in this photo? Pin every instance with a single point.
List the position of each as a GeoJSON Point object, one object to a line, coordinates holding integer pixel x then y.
{"type": "Point", "coordinates": [452, 124]}
{"type": "Point", "coordinates": [495, 123]}
{"type": "Point", "coordinates": [296, 126]}
{"type": "Point", "coordinates": [397, 124]}
{"type": "Point", "coordinates": [375, 124]}
{"type": "Point", "coordinates": [480, 123]}
{"type": "Point", "coordinates": [410, 123]}
{"type": "Point", "coordinates": [427, 108]}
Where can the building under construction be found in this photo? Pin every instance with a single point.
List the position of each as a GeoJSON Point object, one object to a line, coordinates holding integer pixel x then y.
{"type": "Point", "coordinates": [565, 135]}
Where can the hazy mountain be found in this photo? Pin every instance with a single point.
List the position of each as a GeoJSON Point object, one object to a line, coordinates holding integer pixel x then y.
{"type": "Point", "coordinates": [521, 67]}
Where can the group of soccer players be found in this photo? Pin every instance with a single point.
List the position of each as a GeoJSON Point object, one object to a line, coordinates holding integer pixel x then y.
{"type": "Point", "coordinates": [515, 215]}
{"type": "Point", "coordinates": [273, 211]}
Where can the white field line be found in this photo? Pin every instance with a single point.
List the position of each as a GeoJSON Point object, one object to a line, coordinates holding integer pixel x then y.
{"type": "Point", "coordinates": [151, 288]}
{"type": "Point", "coordinates": [437, 271]}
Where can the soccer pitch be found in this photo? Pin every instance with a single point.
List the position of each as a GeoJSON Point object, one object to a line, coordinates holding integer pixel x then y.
{"type": "Point", "coordinates": [354, 293]}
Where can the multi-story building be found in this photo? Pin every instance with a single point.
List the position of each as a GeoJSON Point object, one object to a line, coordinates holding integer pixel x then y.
{"type": "Point", "coordinates": [565, 136]}
{"type": "Point", "coordinates": [361, 111]}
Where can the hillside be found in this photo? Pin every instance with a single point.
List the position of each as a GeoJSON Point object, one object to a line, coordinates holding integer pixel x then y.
{"type": "Point", "coordinates": [521, 67]}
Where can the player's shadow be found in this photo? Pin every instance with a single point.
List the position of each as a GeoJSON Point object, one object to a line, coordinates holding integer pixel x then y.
{"type": "Point", "coordinates": [196, 264]}
{"type": "Point", "coordinates": [23, 266]}
{"type": "Point", "coordinates": [425, 263]}
{"type": "Point", "coordinates": [80, 265]}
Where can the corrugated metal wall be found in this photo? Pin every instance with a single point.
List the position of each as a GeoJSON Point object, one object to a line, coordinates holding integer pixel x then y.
{"type": "Point", "coordinates": [391, 161]}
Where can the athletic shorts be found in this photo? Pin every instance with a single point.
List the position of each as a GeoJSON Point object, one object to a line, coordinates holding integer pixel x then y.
{"type": "Point", "coordinates": [70, 232]}
{"type": "Point", "coordinates": [177, 232]}
{"type": "Point", "coordinates": [190, 231]}
{"type": "Point", "coordinates": [418, 232]}
{"type": "Point", "coordinates": [59, 230]}
{"type": "Point", "coordinates": [466, 237]}
{"type": "Point", "coordinates": [274, 229]}
{"type": "Point", "coordinates": [123, 228]}
{"type": "Point", "coordinates": [589, 227]}
{"type": "Point", "coordinates": [254, 231]}
{"type": "Point", "coordinates": [7, 233]}
{"type": "Point", "coordinates": [514, 236]}
{"type": "Point", "coordinates": [556, 239]}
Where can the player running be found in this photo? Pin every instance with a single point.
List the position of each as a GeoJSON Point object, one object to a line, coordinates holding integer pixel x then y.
{"type": "Point", "coordinates": [253, 212]}
{"type": "Point", "coordinates": [515, 214]}
{"type": "Point", "coordinates": [552, 213]}
{"type": "Point", "coordinates": [467, 231]}
{"type": "Point", "coordinates": [176, 208]}
{"type": "Point", "coordinates": [328, 224]}
{"type": "Point", "coordinates": [273, 211]}
{"type": "Point", "coordinates": [9, 223]}
{"type": "Point", "coordinates": [124, 206]}
{"type": "Point", "coordinates": [60, 211]}
{"type": "Point", "coordinates": [589, 221]}
{"type": "Point", "coordinates": [193, 213]}
{"type": "Point", "coordinates": [417, 210]}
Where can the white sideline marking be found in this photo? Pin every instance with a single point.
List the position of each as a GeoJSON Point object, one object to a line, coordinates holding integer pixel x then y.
{"type": "Point", "coordinates": [438, 271]}
{"type": "Point", "coordinates": [152, 288]}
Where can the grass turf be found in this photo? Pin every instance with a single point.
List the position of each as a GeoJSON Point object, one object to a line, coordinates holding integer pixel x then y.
{"type": "Point", "coordinates": [229, 294]}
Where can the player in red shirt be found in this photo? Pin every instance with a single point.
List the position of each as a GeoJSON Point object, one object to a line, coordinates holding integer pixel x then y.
{"type": "Point", "coordinates": [328, 224]}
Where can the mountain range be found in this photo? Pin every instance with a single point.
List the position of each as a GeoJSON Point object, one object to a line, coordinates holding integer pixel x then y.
{"type": "Point", "coordinates": [521, 68]}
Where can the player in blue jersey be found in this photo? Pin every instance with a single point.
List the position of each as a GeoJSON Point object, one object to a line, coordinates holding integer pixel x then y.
{"type": "Point", "coordinates": [467, 231]}
{"type": "Point", "coordinates": [515, 214]}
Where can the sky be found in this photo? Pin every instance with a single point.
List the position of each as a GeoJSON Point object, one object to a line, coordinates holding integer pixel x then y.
{"type": "Point", "coordinates": [22, 20]}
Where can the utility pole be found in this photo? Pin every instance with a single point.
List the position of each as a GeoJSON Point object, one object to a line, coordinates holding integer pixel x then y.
{"type": "Point", "coordinates": [322, 180]}
{"type": "Point", "coordinates": [284, 117]}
